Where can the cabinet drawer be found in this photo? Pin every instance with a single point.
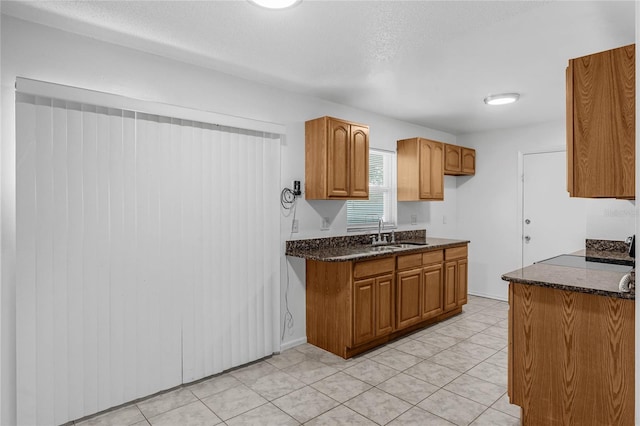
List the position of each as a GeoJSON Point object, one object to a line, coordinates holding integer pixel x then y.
{"type": "Point", "coordinates": [432, 257]}
{"type": "Point", "coordinates": [409, 260]}
{"type": "Point", "coordinates": [455, 253]}
{"type": "Point", "coordinates": [373, 267]}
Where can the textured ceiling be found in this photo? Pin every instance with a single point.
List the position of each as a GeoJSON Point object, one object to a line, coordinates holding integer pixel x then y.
{"type": "Point", "coordinates": [426, 62]}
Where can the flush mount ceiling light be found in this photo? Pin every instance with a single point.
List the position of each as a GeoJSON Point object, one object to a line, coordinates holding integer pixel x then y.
{"type": "Point", "coordinates": [275, 4]}
{"type": "Point", "coordinates": [502, 99]}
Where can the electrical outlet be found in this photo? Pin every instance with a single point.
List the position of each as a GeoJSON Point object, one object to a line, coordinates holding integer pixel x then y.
{"type": "Point", "coordinates": [294, 226]}
{"type": "Point", "coordinates": [325, 224]}
{"type": "Point", "coordinates": [444, 219]}
{"type": "Point", "coordinates": [414, 219]}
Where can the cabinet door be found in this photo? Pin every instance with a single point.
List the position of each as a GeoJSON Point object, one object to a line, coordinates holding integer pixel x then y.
{"type": "Point", "coordinates": [363, 311]}
{"type": "Point", "coordinates": [462, 281]}
{"type": "Point", "coordinates": [450, 285]}
{"type": "Point", "coordinates": [432, 291]}
{"type": "Point", "coordinates": [425, 177]}
{"type": "Point", "coordinates": [601, 124]}
{"type": "Point", "coordinates": [338, 160]}
{"type": "Point", "coordinates": [452, 159]}
{"type": "Point", "coordinates": [384, 305]}
{"type": "Point", "coordinates": [437, 171]}
{"type": "Point", "coordinates": [408, 297]}
{"type": "Point", "coordinates": [359, 165]}
{"type": "Point", "coordinates": [468, 161]}
{"type": "Point", "coordinates": [431, 179]}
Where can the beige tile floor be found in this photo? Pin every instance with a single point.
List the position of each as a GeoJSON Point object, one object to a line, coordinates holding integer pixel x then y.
{"type": "Point", "coordinates": [452, 373]}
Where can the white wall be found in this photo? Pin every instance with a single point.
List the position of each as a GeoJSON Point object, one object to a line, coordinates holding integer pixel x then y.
{"type": "Point", "coordinates": [38, 52]}
{"type": "Point", "coordinates": [610, 219]}
{"type": "Point", "coordinates": [488, 203]}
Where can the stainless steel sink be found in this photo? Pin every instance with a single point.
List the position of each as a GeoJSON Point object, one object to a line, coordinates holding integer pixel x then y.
{"type": "Point", "coordinates": [409, 245]}
{"type": "Point", "coordinates": [396, 246]}
{"type": "Point", "coordinates": [386, 248]}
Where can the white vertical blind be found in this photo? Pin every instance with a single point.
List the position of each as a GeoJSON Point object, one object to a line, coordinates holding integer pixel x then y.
{"type": "Point", "coordinates": [147, 254]}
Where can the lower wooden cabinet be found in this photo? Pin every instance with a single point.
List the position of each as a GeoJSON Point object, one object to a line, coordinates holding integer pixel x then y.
{"type": "Point", "coordinates": [463, 276]}
{"type": "Point", "coordinates": [420, 289]}
{"type": "Point", "coordinates": [384, 305]}
{"type": "Point", "coordinates": [355, 306]}
{"type": "Point", "coordinates": [455, 277]}
{"type": "Point", "coordinates": [408, 293]}
{"type": "Point", "coordinates": [364, 311]}
{"type": "Point", "coordinates": [372, 308]}
{"type": "Point", "coordinates": [571, 357]}
{"type": "Point", "coordinates": [450, 285]}
{"type": "Point", "coordinates": [432, 282]}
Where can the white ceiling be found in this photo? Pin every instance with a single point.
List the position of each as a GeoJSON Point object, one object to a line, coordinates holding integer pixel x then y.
{"type": "Point", "coordinates": [425, 62]}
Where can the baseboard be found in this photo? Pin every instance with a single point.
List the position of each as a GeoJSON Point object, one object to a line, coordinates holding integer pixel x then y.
{"type": "Point", "coordinates": [489, 296]}
{"type": "Point", "coordinates": [293, 343]}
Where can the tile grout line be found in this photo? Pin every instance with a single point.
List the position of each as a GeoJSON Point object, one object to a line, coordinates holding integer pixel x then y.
{"type": "Point", "coordinates": [414, 337]}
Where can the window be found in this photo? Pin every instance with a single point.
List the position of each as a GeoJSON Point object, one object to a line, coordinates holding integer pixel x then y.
{"type": "Point", "coordinates": [382, 194]}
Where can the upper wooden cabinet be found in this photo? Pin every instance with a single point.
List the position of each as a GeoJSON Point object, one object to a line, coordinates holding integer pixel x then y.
{"type": "Point", "coordinates": [601, 124]}
{"type": "Point", "coordinates": [336, 159]}
{"type": "Point", "coordinates": [459, 161]}
{"type": "Point", "coordinates": [420, 170]}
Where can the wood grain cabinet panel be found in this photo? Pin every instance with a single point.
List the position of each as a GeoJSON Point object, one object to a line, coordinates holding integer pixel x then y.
{"type": "Point", "coordinates": [384, 305]}
{"type": "Point", "coordinates": [420, 170]}
{"type": "Point", "coordinates": [455, 277]}
{"type": "Point", "coordinates": [468, 161]}
{"type": "Point", "coordinates": [450, 285]}
{"type": "Point", "coordinates": [409, 284]}
{"type": "Point", "coordinates": [364, 310]}
{"type": "Point", "coordinates": [571, 357]}
{"type": "Point", "coordinates": [359, 162]}
{"type": "Point", "coordinates": [462, 278]}
{"type": "Point", "coordinates": [452, 159]}
{"type": "Point", "coordinates": [601, 124]}
{"type": "Point", "coordinates": [373, 301]}
{"type": "Point", "coordinates": [459, 161]}
{"type": "Point", "coordinates": [336, 159]}
{"type": "Point", "coordinates": [432, 279]}
{"type": "Point", "coordinates": [338, 170]}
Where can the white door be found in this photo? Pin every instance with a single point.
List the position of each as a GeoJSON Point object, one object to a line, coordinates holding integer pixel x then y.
{"type": "Point", "coordinates": [552, 222]}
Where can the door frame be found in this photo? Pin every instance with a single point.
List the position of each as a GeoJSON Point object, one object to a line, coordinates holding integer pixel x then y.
{"type": "Point", "coordinates": [520, 203]}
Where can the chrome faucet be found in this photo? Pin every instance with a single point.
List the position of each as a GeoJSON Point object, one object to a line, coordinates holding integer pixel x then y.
{"type": "Point", "coordinates": [379, 240]}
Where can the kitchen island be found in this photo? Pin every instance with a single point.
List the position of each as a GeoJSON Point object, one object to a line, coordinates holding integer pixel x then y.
{"type": "Point", "coordinates": [359, 295]}
{"type": "Point", "coordinates": [571, 346]}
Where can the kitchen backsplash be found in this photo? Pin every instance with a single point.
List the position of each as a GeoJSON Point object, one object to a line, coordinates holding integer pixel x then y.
{"type": "Point", "coordinates": [607, 245]}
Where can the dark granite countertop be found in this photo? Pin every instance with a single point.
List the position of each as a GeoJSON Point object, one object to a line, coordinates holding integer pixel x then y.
{"type": "Point", "coordinates": [347, 249]}
{"type": "Point", "coordinates": [593, 281]}
{"type": "Point", "coordinates": [598, 282]}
